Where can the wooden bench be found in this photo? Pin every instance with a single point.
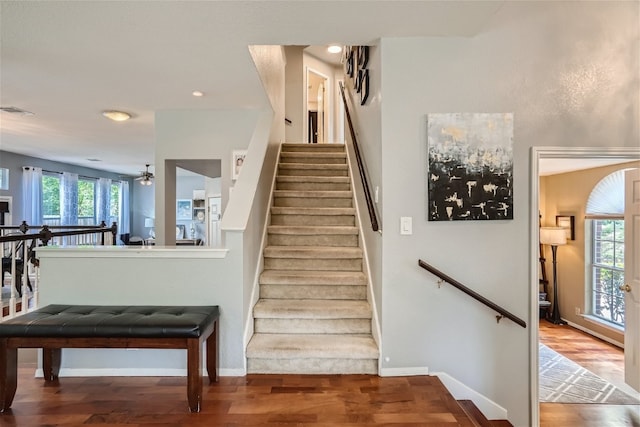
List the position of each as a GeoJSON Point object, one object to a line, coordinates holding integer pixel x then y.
{"type": "Point", "coordinates": [55, 327]}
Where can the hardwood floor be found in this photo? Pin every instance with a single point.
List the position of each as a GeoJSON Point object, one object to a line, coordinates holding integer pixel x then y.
{"type": "Point", "coordinates": [295, 400]}
{"type": "Point", "coordinates": [601, 358]}
{"type": "Point", "coordinates": [254, 400]}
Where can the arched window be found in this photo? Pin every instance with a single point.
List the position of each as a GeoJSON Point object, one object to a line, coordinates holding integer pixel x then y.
{"type": "Point", "coordinates": [605, 213]}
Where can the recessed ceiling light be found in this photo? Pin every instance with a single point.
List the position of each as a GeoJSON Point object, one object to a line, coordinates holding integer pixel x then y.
{"type": "Point", "coordinates": [197, 93]}
{"type": "Point", "coordinates": [116, 116]}
{"type": "Point", "coordinates": [334, 48]}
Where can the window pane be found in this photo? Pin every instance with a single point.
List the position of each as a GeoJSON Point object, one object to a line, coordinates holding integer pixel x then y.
{"type": "Point", "coordinates": [114, 209]}
{"type": "Point", "coordinates": [86, 199]}
{"type": "Point", "coordinates": [606, 230]}
{"type": "Point", "coordinates": [50, 196]}
{"type": "Point", "coordinates": [619, 254]}
{"type": "Point", "coordinates": [619, 232]}
{"type": "Point", "coordinates": [604, 253]}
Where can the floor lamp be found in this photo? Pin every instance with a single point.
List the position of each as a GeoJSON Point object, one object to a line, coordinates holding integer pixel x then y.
{"type": "Point", "coordinates": [554, 237]}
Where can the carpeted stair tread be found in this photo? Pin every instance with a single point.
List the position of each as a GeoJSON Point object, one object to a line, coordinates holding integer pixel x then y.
{"type": "Point", "coordinates": [305, 166]}
{"type": "Point", "coordinates": [324, 278]}
{"type": "Point", "coordinates": [317, 252]}
{"type": "Point", "coordinates": [312, 309]}
{"type": "Point", "coordinates": [315, 179]}
{"type": "Point", "coordinates": [297, 156]}
{"type": "Point", "coordinates": [315, 346]}
{"type": "Point", "coordinates": [288, 210]}
{"type": "Point", "coordinates": [314, 194]}
{"type": "Point", "coordinates": [311, 230]}
{"type": "Point", "coordinates": [289, 147]}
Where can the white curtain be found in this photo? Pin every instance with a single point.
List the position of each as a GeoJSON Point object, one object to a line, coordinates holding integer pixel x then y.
{"type": "Point", "coordinates": [123, 218]}
{"type": "Point", "coordinates": [31, 195]}
{"type": "Point", "coordinates": [69, 199]}
{"type": "Point", "coordinates": [103, 201]}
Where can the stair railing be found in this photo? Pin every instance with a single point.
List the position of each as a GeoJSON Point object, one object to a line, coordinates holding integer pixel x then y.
{"type": "Point", "coordinates": [445, 278]}
{"type": "Point", "coordinates": [361, 166]}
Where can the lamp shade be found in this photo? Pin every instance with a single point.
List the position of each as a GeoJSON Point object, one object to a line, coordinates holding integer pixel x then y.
{"type": "Point", "coordinates": [554, 236]}
{"type": "Point", "coordinates": [148, 222]}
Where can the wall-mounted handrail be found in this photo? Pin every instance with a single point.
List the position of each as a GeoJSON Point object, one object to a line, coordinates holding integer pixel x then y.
{"type": "Point", "coordinates": [361, 169]}
{"type": "Point", "coordinates": [473, 294]}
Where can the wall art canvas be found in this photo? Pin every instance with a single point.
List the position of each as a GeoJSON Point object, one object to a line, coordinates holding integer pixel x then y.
{"type": "Point", "coordinates": [470, 166]}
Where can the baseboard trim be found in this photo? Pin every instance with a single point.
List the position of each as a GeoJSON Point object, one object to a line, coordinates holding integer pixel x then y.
{"type": "Point", "coordinates": [595, 334]}
{"type": "Point", "coordinates": [134, 372]}
{"type": "Point", "coordinates": [404, 372]}
{"type": "Point", "coordinates": [460, 391]}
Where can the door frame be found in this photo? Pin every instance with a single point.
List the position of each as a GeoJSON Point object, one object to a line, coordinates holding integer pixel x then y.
{"type": "Point", "coordinates": [328, 136]}
{"type": "Point", "coordinates": [538, 153]}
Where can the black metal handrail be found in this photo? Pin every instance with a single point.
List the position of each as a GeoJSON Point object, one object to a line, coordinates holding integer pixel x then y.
{"type": "Point", "coordinates": [473, 294]}
{"type": "Point", "coordinates": [361, 169]}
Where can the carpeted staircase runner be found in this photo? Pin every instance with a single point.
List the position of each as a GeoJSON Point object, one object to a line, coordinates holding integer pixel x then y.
{"type": "Point", "coordinates": [313, 316]}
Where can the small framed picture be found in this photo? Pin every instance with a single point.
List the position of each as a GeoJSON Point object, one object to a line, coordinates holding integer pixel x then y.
{"type": "Point", "coordinates": [183, 209]}
{"type": "Point", "coordinates": [568, 222]}
{"type": "Point", "coordinates": [237, 160]}
{"type": "Point", "coordinates": [198, 214]}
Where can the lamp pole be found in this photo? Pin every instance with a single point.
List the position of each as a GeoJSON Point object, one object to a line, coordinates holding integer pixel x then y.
{"type": "Point", "coordinates": [555, 315]}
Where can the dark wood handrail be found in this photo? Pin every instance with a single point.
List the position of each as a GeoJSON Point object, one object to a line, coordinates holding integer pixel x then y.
{"type": "Point", "coordinates": [361, 169]}
{"type": "Point", "coordinates": [473, 294]}
{"type": "Point", "coordinates": [45, 234]}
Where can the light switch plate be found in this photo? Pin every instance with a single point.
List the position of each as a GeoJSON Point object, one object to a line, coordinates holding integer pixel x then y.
{"type": "Point", "coordinates": [406, 225]}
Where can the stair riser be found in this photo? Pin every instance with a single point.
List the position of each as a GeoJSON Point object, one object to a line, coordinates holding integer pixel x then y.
{"type": "Point", "coordinates": [313, 220]}
{"type": "Point", "coordinates": [316, 240]}
{"type": "Point", "coordinates": [313, 186]}
{"type": "Point", "coordinates": [333, 292]}
{"type": "Point", "coordinates": [312, 366]}
{"type": "Point", "coordinates": [312, 172]}
{"type": "Point", "coordinates": [313, 326]}
{"type": "Point", "coordinates": [331, 264]}
{"type": "Point", "coordinates": [315, 148]}
{"type": "Point", "coordinates": [284, 158]}
{"type": "Point", "coordinates": [311, 202]}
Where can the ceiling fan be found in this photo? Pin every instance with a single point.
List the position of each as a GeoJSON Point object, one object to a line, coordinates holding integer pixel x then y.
{"type": "Point", "coordinates": [145, 177]}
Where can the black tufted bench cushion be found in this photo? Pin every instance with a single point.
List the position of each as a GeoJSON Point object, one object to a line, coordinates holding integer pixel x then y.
{"type": "Point", "coordinates": [89, 326]}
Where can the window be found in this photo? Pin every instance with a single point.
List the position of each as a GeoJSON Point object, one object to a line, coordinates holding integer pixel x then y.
{"type": "Point", "coordinates": [86, 202]}
{"type": "Point", "coordinates": [605, 214]}
{"type": "Point", "coordinates": [608, 269]}
{"type": "Point", "coordinates": [51, 199]}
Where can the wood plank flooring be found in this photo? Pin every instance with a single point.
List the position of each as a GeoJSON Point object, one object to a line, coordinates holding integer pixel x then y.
{"type": "Point", "coordinates": [601, 358]}
{"type": "Point", "coordinates": [295, 400]}
{"type": "Point", "coordinates": [254, 400]}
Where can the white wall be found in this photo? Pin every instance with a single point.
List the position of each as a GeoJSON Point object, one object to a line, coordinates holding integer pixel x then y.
{"type": "Point", "coordinates": [569, 72]}
{"type": "Point", "coordinates": [295, 110]}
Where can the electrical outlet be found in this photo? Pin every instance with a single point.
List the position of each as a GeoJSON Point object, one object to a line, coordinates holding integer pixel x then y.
{"type": "Point", "coordinates": [578, 311]}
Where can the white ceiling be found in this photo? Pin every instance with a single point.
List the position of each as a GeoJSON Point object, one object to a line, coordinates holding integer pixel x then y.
{"type": "Point", "coordinates": [66, 61]}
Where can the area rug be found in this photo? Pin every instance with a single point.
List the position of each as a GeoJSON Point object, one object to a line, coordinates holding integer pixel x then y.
{"type": "Point", "coordinates": [564, 381]}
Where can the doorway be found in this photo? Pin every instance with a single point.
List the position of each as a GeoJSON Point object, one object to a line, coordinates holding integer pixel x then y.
{"type": "Point", "coordinates": [215, 214]}
{"type": "Point", "coordinates": [318, 108]}
{"type": "Point", "coordinates": [539, 155]}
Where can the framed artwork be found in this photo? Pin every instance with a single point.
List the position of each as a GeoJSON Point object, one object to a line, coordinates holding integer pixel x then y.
{"type": "Point", "coordinates": [470, 166]}
{"type": "Point", "coordinates": [568, 222]}
{"type": "Point", "coordinates": [237, 160]}
{"type": "Point", "coordinates": [199, 214]}
{"type": "Point", "coordinates": [183, 209]}
{"type": "Point", "coordinates": [180, 231]}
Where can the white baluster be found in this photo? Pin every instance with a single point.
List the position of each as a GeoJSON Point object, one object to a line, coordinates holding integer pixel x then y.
{"type": "Point", "coordinates": [25, 277]}
{"type": "Point", "coordinates": [12, 298]}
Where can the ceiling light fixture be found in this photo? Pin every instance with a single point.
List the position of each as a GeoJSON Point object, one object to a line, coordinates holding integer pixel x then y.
{"type": "Point", "coordinates": [116, 116]}
{"type": "Point", "coordinates": [334, 48]}
{"type": "Point", "coordinates": [197, 93]}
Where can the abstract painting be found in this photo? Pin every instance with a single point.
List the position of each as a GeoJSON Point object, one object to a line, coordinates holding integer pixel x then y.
{"type": "Point", "coordinates": [470, 170]}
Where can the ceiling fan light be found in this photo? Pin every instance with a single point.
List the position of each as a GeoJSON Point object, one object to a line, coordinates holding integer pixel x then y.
{"type": "Point", "coordinates": [145, 181]}
{"type": "Point", "coordinates": [116, 116]}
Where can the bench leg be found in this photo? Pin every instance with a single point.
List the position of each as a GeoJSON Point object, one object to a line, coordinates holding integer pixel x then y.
{"type": "Point", "coordinates": [51, 363]}
{"type": "Point", "coordinates": [8, 374]}
{"type": "Point", "coordinates": [212, 354]}
{"type": "Point", "coordinates": [194, 374]}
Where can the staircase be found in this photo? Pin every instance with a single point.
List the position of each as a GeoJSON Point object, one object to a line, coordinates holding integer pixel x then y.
{"type": "Point", "coordinates": [313, 316]}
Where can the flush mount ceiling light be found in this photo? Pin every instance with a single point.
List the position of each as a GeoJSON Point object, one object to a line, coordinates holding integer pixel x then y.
{"type": "Point", "coordinates": [197, 93]}
{"type": "Point", "coordinates": [334, 48]}
{"type": "Point", "coordinates": [116, 116]}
